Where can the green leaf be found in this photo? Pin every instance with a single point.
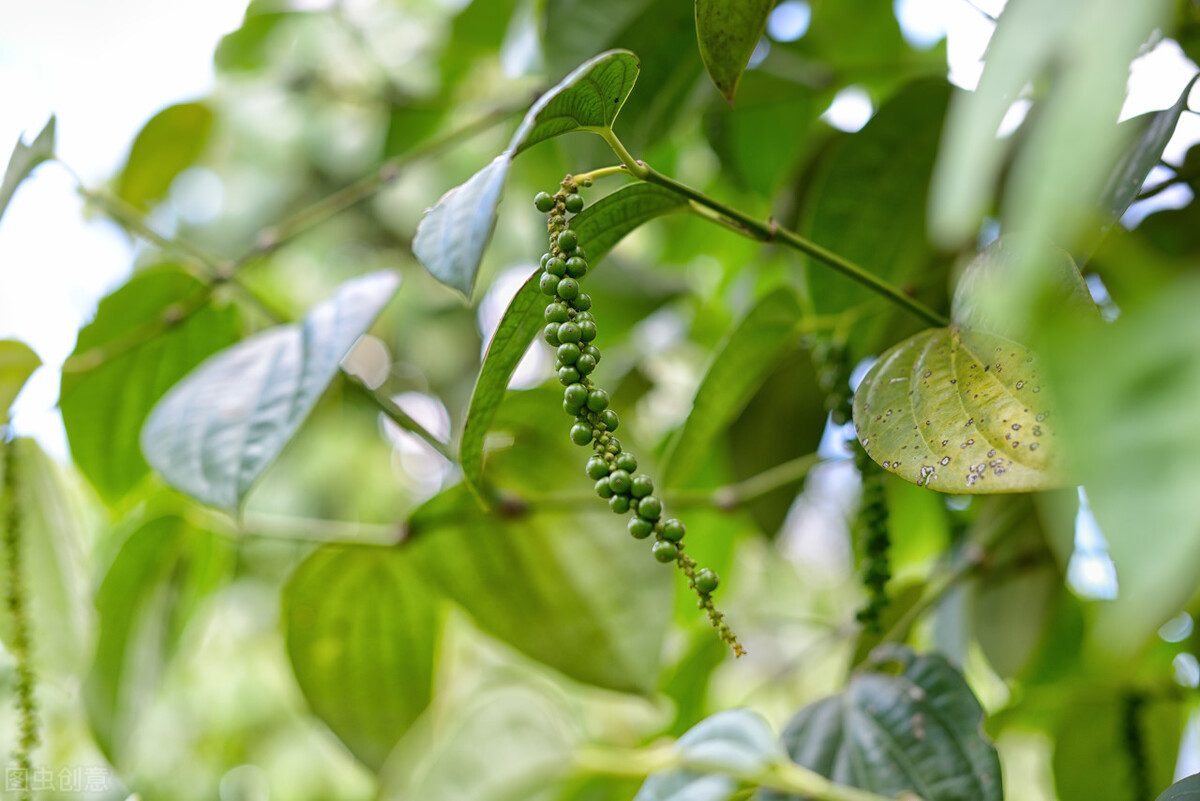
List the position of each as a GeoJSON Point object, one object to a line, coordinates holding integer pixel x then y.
{"type": "Point", "coordinates": [56, 533]}
{"type": "Point", "coordinates": [245, 49]}
{"type": "Point", "coordinates": [215, 432]}
{"type": "Point", "coordinates": [915, 730]}
{"type": "Point", "coordinates": [1183, 790]}
{"type": "Point", "coordinates": [168, 144]}
{"type": "Point", "coordinates": [454, 233]}
{"type": "Point", "coordinates": [738, 368]}
{"type": "Point", "coordinates": [727, 31]}
{"type": "Point", "coordinates": [362, 633]}
{"type": "Point", "coordinates": [601, 225]}
{"type": "Point", "coordinates": [564, 589]}
{"type": "Point", "coordinates": [868, 205]}
{"type": "Point", "coordinates": [145, 337]}
{"type": "Point", "coordinates": [163, 572]}
{"type": "Point", "coordinates": [22, 161]}
{"type": "Point", "coordinates": [737, 738]}
{"type": "Point", "coordinates": [17, 363]}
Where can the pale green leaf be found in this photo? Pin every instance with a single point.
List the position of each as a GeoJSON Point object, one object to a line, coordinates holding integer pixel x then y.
{"type": "Point", "coordinates": [168, 144]}
{"type": "Point", "coordinates": [215, 432]}
{"type": "Point", "coordinates": [737, 738]}
{"type": "Point", "coordinates": [17, 363]}
{"type": "Point", "coordinates": [22, 161]}
{"type": "Point", "coordinates": [727, 31]}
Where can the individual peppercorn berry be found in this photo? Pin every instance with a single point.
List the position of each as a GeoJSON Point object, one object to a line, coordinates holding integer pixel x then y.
{"type": "Point", "coordinates": [614, 445]}
{"type": "Point", "coordinates": [557, 313]}
{"type": "Point", "coordinates": [585, 364]}
{"type": "Point", "coordinates": [550, 334]}
{"type": "Point", "coordinates": [596, 468]}
{"type": "Point", "coordinates": [650, 507]}
{"type": "Point", "coordinates": [543, 201]}
{"type": "Point", "coordinates": [597, 400]}
{"type": "Point", "coordinates": [620, 481]}
{"type": "Point", "coordinates": [568, 353]}
{"type": "Point", "coordinates": [568, 332]}
{"type": "Point", "coordinates": [574, 204]}
{"type": "Point", "coordinates": [619, 503]}
{"type": "Point", "coordinates": [583, 302]}
{"type": "Point", "coordinates": [567, 241]}
{"type": "Point", "coordinates": [556, 266]}
{"type": "Point", "coordinates": [640, 527]}
{"type": "Point", "coordinates": [580, 252]}
{"type": "Point", "coordinates": [706, 580]}
{"type": "Point", "coordinates": [545, 258]}
{"type": "Point", "coordinates": [575, 395]}
{"type": "Point", "coordinates": [567, 288]}
{"type": "Point", "coordinates": [581, 433]}
{"type": "Point", "coordinates": [641, 486]}
{"type": "Point", "coordinates": [672, 530]}
{"type": "Point", "coordinates": [548, 284]}
{"type": "Point", "coordinates": [587, 331]}
{"type": "Point", "coordinates": [665, 551]}
{"type": "Point", "coordinates": [568, 375]}
{"type": "Point", "coordinates": [603, 489]}
{"type": "Point", "coordinates": [576, 267]}
{"type": "Point", "coordinates": [609, 419]}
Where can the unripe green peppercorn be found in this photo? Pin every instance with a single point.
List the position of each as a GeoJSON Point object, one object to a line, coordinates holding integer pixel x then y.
{"type": "Point", "coordinates": [587, 331]}
{"type": "Point", "coordinates": [619, 503]}
{"type": "Point", "coordinates": [610, 420]}
{"type": "Point", "coordinates": [706, 580]}
{"type": "Point", "coordinates": [627, 462]}
{"type": "Point", "coordinates": [567, 241]}
{"type": "Point", "coordinates": [597, 400]}
{"type": "Point", "coordinates": [672, 530]}
{"type": "Point", "coordinates": [665, 551]}
{"type": "Point", "coordinates": [641, 486]}
{"type": "Point", "coordinates": [640, 527]}
{"type": "Point", "coordinates": [614, 445]}
{"type": "Point", "coordinates": [589, 350]}
{"type": "Point", "coordinates": [596, 468]}
{"type": "Point", "coordinates": [574, 204]}
{"type": "Point", "coordinates": [557, 313]}
{"type": "Point", "coordinates": [550, 334]}
{"type": "Point", "coordinates": [545, 258]}
{"type": "Point", "coordinates": [568, 375]}
{"type": "Point", "coordinates": [556, 266]}
{"type": "Point", "coordinates": [576, 267]}
{"type": "Point", "coordinates": [575, 395]}
{"type": "Point", "coordinates": [548, 284]}
{"type": "Point", "coordinates": [581, 433]}
{"type": "Point", "coordinates": [650, 507]}
{"type": "Point", "coordinates": [568, 332]}
{"type": "Point", "coordinates": [543, 201]}
{"type": "Point", "coordinates": [603, 489]}
{"type": "Point", "coordinates": [619, 481]}
{"type": "Point", "coordinates": [567, 288]}
{"type": "Point", "coordinates": [583, 302]}
{"type": "Point", "coordinates": [585, 364]}
{"type": "Point", "coordinates": [568, 352]}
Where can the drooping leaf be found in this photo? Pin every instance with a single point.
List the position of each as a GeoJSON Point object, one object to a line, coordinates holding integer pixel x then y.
{"type": "Point", "coordinates": [558, 587]}
{"type": "Point", "coordinates": [727, 32]}
{"type": "Point", "coordinates": [454, 233]}
{"type": "Point", "coordinates": [161, 575]}
{"type": "Point", "coordinates": [168, 144]}
{"type": "Point", "coordinates": [737, 738]}
{"type": "Point", "coordinates": [22, 161]}
{"type": "Point", "coordinates": [215, 432]}
{"type": "Point", "coordinates": [1187, 789]}
{"type": "Point", "coordinates": [362, 631]}
{"type": "Point", "coordinates": [17, 363]}
{"type": "Point", "coordinates": [743, 362]}
{"type": "Point", "coordinates": [600, 225]}
{"type": "Point", "coordinates": [145, 337]}
{"type": "Point", "coordinates": [916, 730]}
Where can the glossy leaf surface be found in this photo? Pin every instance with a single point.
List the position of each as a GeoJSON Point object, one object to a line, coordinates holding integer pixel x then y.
{"type": "Point", "coordinates": [727, 31]}
{"type": "Point", "coordinates": [738, 738]}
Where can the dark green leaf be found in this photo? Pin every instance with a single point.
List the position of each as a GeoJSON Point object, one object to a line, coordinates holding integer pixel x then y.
{"type": "Point", "coordinates": [162, 573]}
{"type": "Point", "coordinates": [22, 161]}
{"type": "Point", "coordinates": [1183, 790]}
{"type": "Point", "coordinates": [727, 31]}
{"type": "Point", "coordinates": [17, 363]}
{"type": "Point", "coordinates": [737, 738]}
{"type": "Point", "coordinates": [362, 632]}
{"type": "Point", "coordinates": [168, 144]}
{"type": "Point", "coordinates": [600, 226]}
{"type": "Point", "coordinates": [743, 362]}
{"type": "Point", "coordinates": [145, 337]}
{"type": "Point", "coordinates": [215, 432]}
{"type": "Point", "coordinates": [565, 589]}
{"type": "Point", "coordinates": [916, 730]}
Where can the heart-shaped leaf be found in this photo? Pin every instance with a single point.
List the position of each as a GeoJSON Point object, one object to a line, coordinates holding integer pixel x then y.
{"type": "Point", "coordinates": [17, 363]}
{"type": "Point", "coordinates": [917, 730]}
{"type": "Point", "coordinates": [22, 161]}
{"type": "Point", "coordinates": [601, 225]}
{"type": "Point", "coordinates": [216, 431]}
{"type": "Point", "coordinates": [1183, 790]}
{"type": "Point", "coordinates": [454, 233]}
{"type": "Point", "coordinates": [962, 409]}
{"type": "Point", "coordinates": [737, 738]}
{"type": "Point", "coordinates": [727, 32]}
{"type": "Point", "coordinates": [362, 632]}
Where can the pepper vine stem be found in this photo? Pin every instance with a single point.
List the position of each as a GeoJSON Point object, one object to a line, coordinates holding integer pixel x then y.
{"type": "Point", "coordinates": [400, 417]}
{"type": "Point", "coordinates": [769, 231]}
{"type": "Point", "coordinates": [17, 604]}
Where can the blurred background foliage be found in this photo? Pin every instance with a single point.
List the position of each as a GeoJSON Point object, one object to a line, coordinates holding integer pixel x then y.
{"type": "Point", "coordinates": [364, 630]}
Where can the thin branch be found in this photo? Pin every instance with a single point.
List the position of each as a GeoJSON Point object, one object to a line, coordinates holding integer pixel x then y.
{"type": "Point", "coordinates": [400, 417]}
{"type": "Point", "coordinates": [307, 529]}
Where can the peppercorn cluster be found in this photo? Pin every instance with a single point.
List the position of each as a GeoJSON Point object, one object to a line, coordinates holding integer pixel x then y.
{"type": "Point", "coordinates": [876, 543]}
{"type": "Point", "coordinates": [571, 330]}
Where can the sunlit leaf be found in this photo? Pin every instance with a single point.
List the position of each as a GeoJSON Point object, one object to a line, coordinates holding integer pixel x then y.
{"type": "Point", "coordinates": [915, 730]}
{"type": "Point", "coordinates": [362, 631]}
{"type": "Point", "coordinates": [17, 363]}
{"type": "Point", "coordinates": [168, 144]}
{"type": "Point", "coordinates": [163, 572]}
{"type": "Point", "coordinates": [22, 161]}
{"type": "Point", "coordinates": [145, 337]}
{"type": "Point", "coordinates": [215, 432]}
{"type": "Point", "coordinates": [737, 738]}
{"type": "Point", "coordinates": [454, 233]}
{"type": "Point", "coordinates": [727, 32]}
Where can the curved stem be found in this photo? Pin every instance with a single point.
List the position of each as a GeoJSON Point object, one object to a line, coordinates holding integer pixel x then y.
{"type": "Point", "coordinates": [401, 418]}
{"type": "Point", "coordinates": [586, 178]}
{"type": "Point", "coordinates": [769, 231]}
